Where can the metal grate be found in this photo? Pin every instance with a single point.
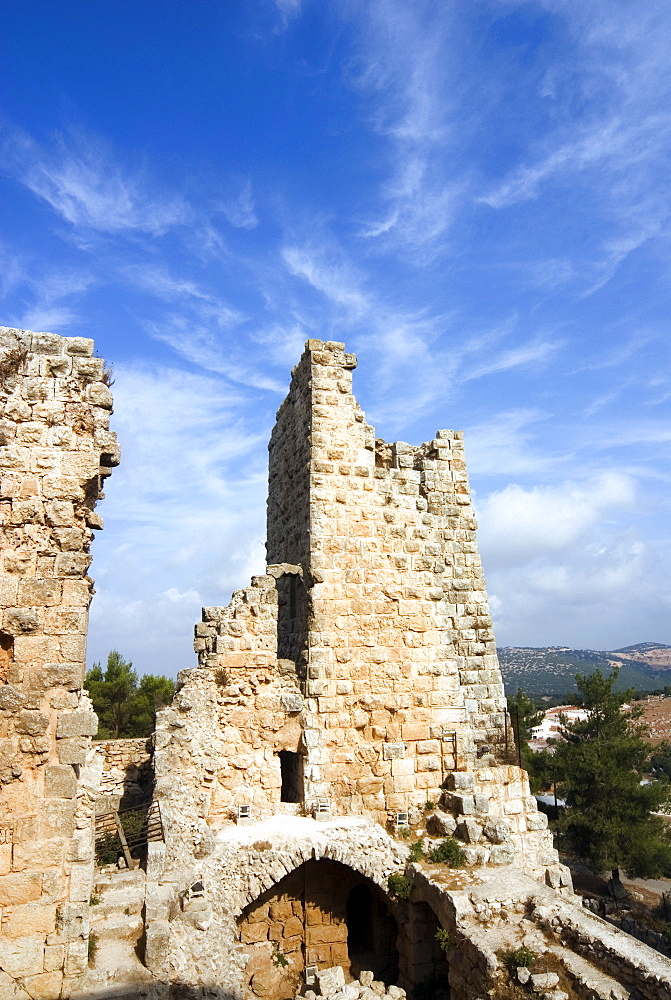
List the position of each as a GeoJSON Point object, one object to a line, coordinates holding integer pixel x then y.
{"type": "Point", "coordinates": [133, 828]}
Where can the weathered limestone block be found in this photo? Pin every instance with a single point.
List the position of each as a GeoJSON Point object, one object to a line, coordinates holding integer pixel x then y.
{"type": "Point", "coordinates": [77, 724]}
{"type": "Point", "coordinates": [60, 782]}
{"type": "Point", "coordinates": [22, 956]}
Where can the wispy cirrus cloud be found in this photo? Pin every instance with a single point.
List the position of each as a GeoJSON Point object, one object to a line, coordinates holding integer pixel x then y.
{"type": "Point", "coordinates": [402, 71]}
{"type": "Point", "coordinates": [240, 210]}
{"type": "Point", "coordinates": [79, 176]}
{"type": "Point", "coordinates": [420, 356]}
{"type": "Point", "coordinates": [201, 327]}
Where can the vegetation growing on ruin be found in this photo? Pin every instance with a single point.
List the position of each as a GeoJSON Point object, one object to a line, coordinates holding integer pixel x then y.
{"type": "Point", "coordinates": [416, 850]}
{"type": "Point", "coordinates": [442, 936]}
{"type": "Point", "coordinates": [400, 886]}
{"type": "Point", "coordinates": [448, 852]}
{"type": "Point", "coordinates": [11, 363]}
{"type": "Point", "coordinates": [520, 958]}
{"type": "Point", "coordinates": [126, 706]}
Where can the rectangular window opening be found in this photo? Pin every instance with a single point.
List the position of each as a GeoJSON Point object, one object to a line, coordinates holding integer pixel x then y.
{"type": "Point", "coordinates": [291, 766]}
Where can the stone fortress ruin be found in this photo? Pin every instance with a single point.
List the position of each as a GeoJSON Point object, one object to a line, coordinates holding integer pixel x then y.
{"type": "Point", "coordinates": [349, 695]}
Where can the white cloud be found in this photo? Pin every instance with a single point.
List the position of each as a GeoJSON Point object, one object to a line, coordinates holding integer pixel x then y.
{"type": "Point", "coordinates": [79, 177]}
{"type": "Point", "coordinates": [534, 353]}
{"type": "Point", "coordinates": [288, 10]}
{"type": "Point", "coordinates": [565, 564]}
{"type": "Point", "coordinates": [240, 210]}
{"type": "Point", "coordinates": [504, 446]}
{"type": "Point", "coordinates": [337, 281]}
{"type": "Point", "coordinates": [518, 525]}
{"type": "Point", "coordinates": [184, 514]}
{"type": "Point", "coordinates": [51, 297]}
{"type": "Point", "coordinates": [403, 68]}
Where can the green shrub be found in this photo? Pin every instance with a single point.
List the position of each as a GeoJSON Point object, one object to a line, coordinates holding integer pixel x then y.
{"type": "Point", "coordinates": [520, 958]}
{"type": "Point", "coordinates": [416, 850]}
{"type": "Point", "coordinates": [92, 947]}
{"type": "Point", "coordinates": [429, 805]}
{"type": "Point", "coordinates": [108, 849]}
{"type": "Point", "coordinates": [448, 852]}
{"type": "Point", "coordinates": [443, 938]}
{"type": "Point", "coordinates": [399, 885]}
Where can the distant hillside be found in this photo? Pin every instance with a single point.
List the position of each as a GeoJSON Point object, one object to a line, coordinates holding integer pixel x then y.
{"type": "Point", "coordinates": [549, 671]}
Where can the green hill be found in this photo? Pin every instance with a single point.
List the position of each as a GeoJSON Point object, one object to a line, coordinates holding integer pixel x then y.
{"type": "Point", "coordinates": [549, 671]}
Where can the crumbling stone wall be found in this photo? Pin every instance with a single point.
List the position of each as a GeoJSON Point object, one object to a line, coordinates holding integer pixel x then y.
{"type": "Point", "coordinates": [364, 655]}
{"type": "Point", "coordinates": [55, 450]}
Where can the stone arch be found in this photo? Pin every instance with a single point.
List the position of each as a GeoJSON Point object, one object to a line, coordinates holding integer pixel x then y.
{"type": "Point", "coordinates": [373, 856]}
{"type": "Point", "coordinates": [324, 913]}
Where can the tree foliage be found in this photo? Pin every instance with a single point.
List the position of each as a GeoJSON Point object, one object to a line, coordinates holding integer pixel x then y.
{"type": "Point", "coordinates": [525, 716]}
{"type": "Point", "coordinates": [600, 764]}
{"type": "Point", "coordinates": [126, 706]}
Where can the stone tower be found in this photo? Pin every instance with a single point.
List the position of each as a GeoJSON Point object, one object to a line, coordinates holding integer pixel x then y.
{"type": "Point", "coordinates": [345, 693]}
{"type": "Point", "coordinates": [382, 603]}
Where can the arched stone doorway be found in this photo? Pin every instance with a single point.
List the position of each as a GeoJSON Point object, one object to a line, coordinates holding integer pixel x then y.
{"type": "Point", "coordinates": [323, 913]}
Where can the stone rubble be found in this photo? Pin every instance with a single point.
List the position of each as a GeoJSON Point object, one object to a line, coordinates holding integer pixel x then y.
{"type": "Point", "coordinates": [331, 985]}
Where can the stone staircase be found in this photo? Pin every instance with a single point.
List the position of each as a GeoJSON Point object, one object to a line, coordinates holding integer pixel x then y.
{"type": "Point", "coordinates": [117, 930]}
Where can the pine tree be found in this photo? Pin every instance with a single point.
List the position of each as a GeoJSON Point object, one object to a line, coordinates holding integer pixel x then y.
{"type": "Point", "coordinates": [124, 707]}
{"type": "Point", "coordinates": [600, 764]}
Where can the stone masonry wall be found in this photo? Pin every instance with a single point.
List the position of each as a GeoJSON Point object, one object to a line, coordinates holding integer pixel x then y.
{"type": "Point", "coordinates": [127, 772]}
{"type": "Point", "coordinates": [55, 449]}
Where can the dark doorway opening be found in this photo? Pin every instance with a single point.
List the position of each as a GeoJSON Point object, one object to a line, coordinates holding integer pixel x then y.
{"type": "Point", "coordinates": [291, 617]}
{"type": "Point", "coordinates": [359, 920]}
{"type": "Point", "coordinates": [291, 767]}
{"type": "Point", "coordinates": [371, 934]}
{"type": "Point", "coordinates": [338, 911]}
{"type": "Point", "coordinates": [6, 655]}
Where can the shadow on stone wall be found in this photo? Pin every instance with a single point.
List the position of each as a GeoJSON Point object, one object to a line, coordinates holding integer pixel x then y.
{"type": "Point", "coordinates": [158, 991]}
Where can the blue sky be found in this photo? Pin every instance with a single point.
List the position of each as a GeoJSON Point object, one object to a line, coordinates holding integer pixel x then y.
{"type": "Point", "coordinates": [473, 194]}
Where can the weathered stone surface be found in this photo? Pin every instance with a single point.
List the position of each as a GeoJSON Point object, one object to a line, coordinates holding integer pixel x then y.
{"type": "Point", "coordinates": [72, 751]}
{"type": "Point", "coordinates": [77, 724]}
{"type": "Point", "coordinates": [156, 945]}
{"type": "Point", "coordinates": [329, 980]}
{"type": "Point", "coordinates": [441, 824]}
{"type": "Point", "coordinates": [10, 698]}
{"type": "Point", "coordinates": [60, 782]}
{"type": "Point", "coordinates": [497, 831]}
{"type": "Point", "coordinates": [17, 889]}
{"type": "Point", "coordinates": [32, 723]}
{"type": "Point", "coordinates": [543, 981]}
{"type": "Point", "coordinates": [53, 445]}
{"type": "Point", "coordinates": [22, 956]}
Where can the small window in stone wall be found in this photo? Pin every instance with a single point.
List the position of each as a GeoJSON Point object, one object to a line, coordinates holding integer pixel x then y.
{"type": "Point", "coordinates": [291, 765]}
{"type": "Point", "coordinates": [291, 624]}
{"type": "Point", "coordinates": [6, 655]}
